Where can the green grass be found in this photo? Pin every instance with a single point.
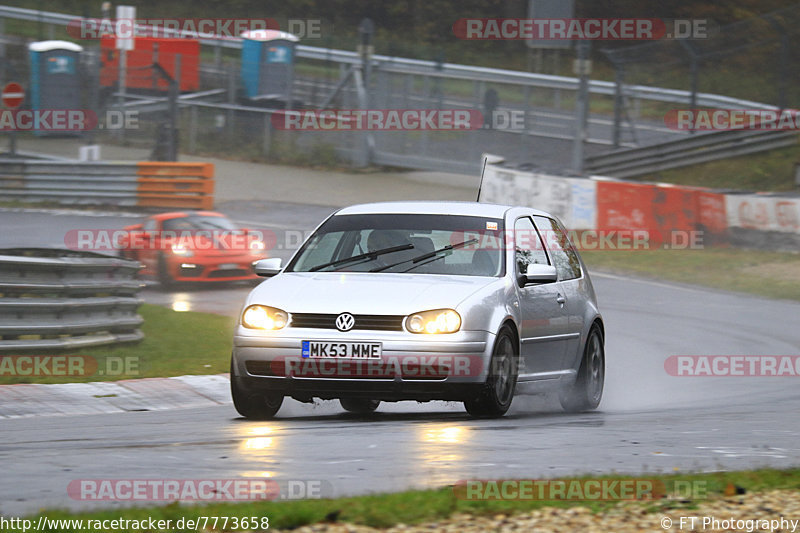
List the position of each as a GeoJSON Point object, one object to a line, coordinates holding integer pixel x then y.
{"type": "Point", "coordinates": [175, 344]}
{"type": "Point", "coordinates": [770, 274]}
{"type": "Point", "coordinates": [412, 507]}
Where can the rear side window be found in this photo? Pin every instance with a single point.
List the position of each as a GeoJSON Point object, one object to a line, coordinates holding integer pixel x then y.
{"type": "Point", "coordinates": [564, 257]}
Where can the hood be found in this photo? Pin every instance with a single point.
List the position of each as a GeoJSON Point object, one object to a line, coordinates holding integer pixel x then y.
{"type": "Point", "coordinates": [365, 293]}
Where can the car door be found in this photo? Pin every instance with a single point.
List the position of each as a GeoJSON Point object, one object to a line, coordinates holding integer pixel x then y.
{"type": "Point", "coordinates": [568, 266]}
{"type": "Point", "coordinates": [544, 319]}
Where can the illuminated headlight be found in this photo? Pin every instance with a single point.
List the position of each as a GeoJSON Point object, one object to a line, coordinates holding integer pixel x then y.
{"type": "Point", "coordinates": [181, 250]}
{"type": "Point", "coordinates": [436, 321]}
{"type": "Point", "coordinates": [257, 247]}
{"type": "Point", "coordinates": [263, 317]}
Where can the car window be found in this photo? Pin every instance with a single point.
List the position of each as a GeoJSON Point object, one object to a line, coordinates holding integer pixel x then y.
{"type": "Point", "coordinates": [321, 249]}
{"type": "Point", "coordinates": [149, 224]}
{"type": "Point", "coordinates": [194, 222]}
{"type": "Point", "coordinates": [565, 259]}
{"type": "Point", "coordinates": [528, 247]}
{"type": "Point", "coordinates": [409, 239]}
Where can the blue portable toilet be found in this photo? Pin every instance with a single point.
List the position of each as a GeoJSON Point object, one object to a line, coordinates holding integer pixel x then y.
{"type": "Point", "coordinates": [55, 81]}
{"type": "Point", "coordinates": [268, 65]}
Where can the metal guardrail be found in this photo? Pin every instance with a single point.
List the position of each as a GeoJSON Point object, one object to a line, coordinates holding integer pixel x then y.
{"type": "Point", "coordinates": [147, 184]}
{"type": "Point", "coordinates": [56, 299]}
{"type": "Point", "coordinates": [691, 150]}
{"type": "Point", "coordinates": [448, 70]}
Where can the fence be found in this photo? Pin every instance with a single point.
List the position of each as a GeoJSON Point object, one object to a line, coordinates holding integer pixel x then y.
{"type": "Point", "coordinates": [54, 299]}
{"type": "Point", "coordinates": [649, 80]}
{"type": "Point", "coordinates": [144, 184]}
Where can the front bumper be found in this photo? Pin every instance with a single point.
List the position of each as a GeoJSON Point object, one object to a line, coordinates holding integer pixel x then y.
{"type": "Point", "coordinates": [412, 367]}
{"type": "Point", "coordinates": [213, 268]}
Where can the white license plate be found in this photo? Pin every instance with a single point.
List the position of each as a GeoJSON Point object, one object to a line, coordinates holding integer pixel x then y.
{"type": "Point", "coordinates": [228, 266]}
{"type": "Point", "coordinates": [342, 350]}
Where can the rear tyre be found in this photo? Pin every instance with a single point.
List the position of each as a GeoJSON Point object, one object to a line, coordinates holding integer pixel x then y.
{"type": "Point", "coordinates": [498, 392]}
{"type": "Point", "coordinates": [587, 390]}
{"type": "Point", "coordinates": [359, 405]}
{"type": "Point", "coordinates": [254, 406]}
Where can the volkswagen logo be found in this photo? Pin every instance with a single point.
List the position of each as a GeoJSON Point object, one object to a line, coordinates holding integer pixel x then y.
{"type": "Point", "coordinates": [345, 322]}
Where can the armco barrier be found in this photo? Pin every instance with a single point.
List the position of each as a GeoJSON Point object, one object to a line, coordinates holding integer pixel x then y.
{"type": "Point", "coordinates": [146, 184]}
{"type": "Point", "coordinates": [51, 299]}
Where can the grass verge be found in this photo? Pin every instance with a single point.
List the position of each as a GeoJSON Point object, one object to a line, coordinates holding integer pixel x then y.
{"type": "Point", "coordinates": [413, 507]}
{"type": "Point", "coordinates": [175, 344]}
{"type": "Point", "coordinates": [765, 171]}
{"type": "Point", "coordinates": [770, 274]}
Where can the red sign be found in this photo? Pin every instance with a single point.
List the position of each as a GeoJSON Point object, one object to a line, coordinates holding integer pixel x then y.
{"type": "Point", "coordinates": [13, 95]}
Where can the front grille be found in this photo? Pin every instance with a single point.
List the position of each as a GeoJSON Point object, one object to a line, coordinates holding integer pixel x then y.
{"type": "Point", "coordinates": [345, 369]}
{"type": "Point", "coordinates": [195, 272]}
{"type": "Point", "coordinates": [328, 321]}
{"type": "Point", "coordinates": [230, 273]}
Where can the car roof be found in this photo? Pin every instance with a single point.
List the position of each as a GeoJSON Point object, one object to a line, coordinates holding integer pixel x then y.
{"type": "Point", "coordinates": [181, 214]}
{"type": "Point", "coordinates": [432, 208]}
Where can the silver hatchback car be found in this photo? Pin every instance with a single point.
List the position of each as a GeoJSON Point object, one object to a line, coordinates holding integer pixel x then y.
{"type": "Point", "coordinates": [422, 301]}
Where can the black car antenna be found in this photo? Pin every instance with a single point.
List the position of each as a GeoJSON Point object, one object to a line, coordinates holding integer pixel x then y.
{"type": "Point", "coordinates": [485, 159]}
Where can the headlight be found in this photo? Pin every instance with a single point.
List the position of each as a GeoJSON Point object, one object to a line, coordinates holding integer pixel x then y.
{"type": "Point", "coordinates": [257, 247]}
{"type": "Point", "coordinates": [436, 321]}
{"type": "Point", "coordinates": [181, 250]}
{"type": "Point", "coordinates": [263, 317]}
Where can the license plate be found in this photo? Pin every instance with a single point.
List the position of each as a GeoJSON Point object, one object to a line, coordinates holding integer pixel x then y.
{"type": "Point", "coordinates": [228, 266]}
{"type": "Point", "coordinates": [342, 350]}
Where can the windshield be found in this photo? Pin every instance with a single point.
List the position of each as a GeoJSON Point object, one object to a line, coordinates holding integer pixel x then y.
{"type": "Point", "coordinates": [198, 222]}
{"type": "Point", "coordinates": [424, 244]}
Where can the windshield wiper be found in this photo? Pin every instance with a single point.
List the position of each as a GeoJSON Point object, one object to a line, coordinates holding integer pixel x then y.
{"type": "Point", "coordinates": [425, 256]}
{"type": "Point", "coordinates": [369, 256]}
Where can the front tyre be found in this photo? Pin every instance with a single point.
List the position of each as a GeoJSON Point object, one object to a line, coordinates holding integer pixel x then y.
{"type": "Point", "coordinates": [253, 405]}
{"type": "Point", "coordinates": [165, 279]}
{"type": "Point", "coordinates": [495, 398]}
{"type": "Point", "coordinates": [359, 405]}
{"type": "Point", "coordinates": [587, 390]}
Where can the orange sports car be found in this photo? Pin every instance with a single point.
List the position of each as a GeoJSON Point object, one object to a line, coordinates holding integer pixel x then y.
{"type": "Point", "coordinates": [194, 246]}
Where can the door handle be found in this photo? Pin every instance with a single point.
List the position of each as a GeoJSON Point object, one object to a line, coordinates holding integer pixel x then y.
{"type": "Point", "coordinates": [561, 299]}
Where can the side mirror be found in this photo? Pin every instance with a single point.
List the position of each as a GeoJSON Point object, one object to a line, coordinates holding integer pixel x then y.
{"type": "Point", "coordinates": [268, 267]}
{"type": "Point", "coordinates": [540, 274]}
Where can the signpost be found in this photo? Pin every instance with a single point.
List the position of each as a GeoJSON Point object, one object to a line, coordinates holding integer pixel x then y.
{"type": "Point", "coordinates": [13, 95]}
{"type": "Point", "coordinates": [126, 15]}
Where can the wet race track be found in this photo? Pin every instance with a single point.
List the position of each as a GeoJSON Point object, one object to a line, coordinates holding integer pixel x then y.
{"type": "Point", "coordinates": [649, 421]}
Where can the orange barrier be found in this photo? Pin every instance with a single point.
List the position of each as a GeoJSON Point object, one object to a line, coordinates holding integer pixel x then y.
{"type": "Point", "coordinates": [661, 210]}
{"type": "Point", "coordinates": [175, 184]}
